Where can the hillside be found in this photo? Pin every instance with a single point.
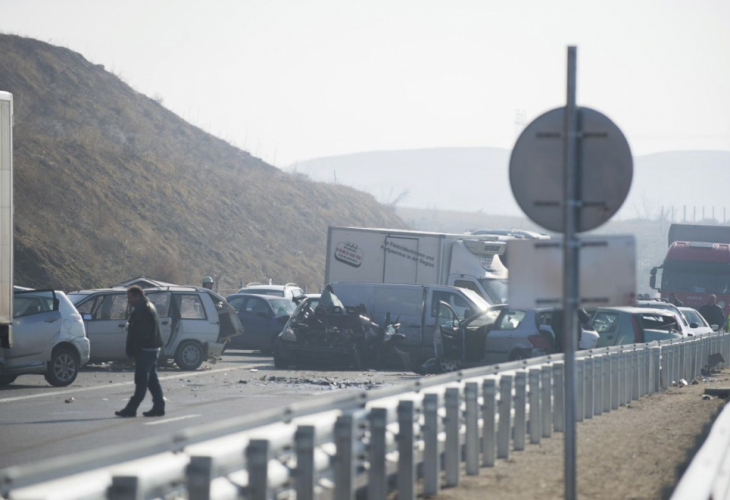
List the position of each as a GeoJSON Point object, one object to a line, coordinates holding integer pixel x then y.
{"type": "Point", "coordinates": [476, 179]}
{"type": "Point", "coordinates": [109, 184]}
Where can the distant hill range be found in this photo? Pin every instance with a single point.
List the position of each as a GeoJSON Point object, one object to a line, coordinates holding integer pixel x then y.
{"type": "Point", "coordinates": [109, 184]}
{"type": "Point", "coordinates": [476, 179]}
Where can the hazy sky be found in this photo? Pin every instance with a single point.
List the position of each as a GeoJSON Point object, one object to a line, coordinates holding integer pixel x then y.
{"type": "Point", "coordinates": [292, 80]}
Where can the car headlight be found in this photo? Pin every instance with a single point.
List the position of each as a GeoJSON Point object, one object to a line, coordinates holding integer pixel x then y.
{"type": "Point", "coordinates": [288, 335]}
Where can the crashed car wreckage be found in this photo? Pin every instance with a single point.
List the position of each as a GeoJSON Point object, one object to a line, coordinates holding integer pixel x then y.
{"type": "Point", "coordinates": [335, 333]}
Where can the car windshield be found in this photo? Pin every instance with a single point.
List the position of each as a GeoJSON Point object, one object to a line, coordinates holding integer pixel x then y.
{"type": "Point", "coordinates": [496, 290]}
{"type": "Point", "coordinates": [694, 317]}
{"type": "Point", "coordinates": [703, 279]}
{"type": "Point", "coordinates": [488, 317]}
{"type": "Point", "coordinates": [282, 307]}
{"type": "Point", "coordinates": [476, 299]}
{"type": "Point", "coordinates": [75, 298]}
{"type": "Point", "coordinates": [666, 306]}
{"type": "Point", "coordinates": [661, 322]}
{"type": "Point", "coordinates": [264, 291]}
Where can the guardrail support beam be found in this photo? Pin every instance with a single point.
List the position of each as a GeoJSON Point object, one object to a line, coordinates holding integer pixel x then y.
{"type": "Point", "coordinates": [378, 475]}
{"type": "Point", "coordinates": [452, 456]}
{"type": "Point", "coordinates": [588, 388]}
{"type": "Point", "coordinates": [489, 417]}
{"type": "Point", "coordinates": [520, 411]}
{"type": "Point", "coordinates": [535, 412]}
{"type": "Point", "coordinates": [432, 454]}
{"type": "Point", "coordinates": [580, 390]}
{"type": "Point", "coordinates": [406, 450]}
{"type": "Point", "coordinates": [345, 459]}
{"type": "Point", "coordinates": [257, 462]}
{"type": "Point", "coordinates": [505, 412]}
{"type": "Point", "coordinates": [305, 472]}
{"type": "Point", "coordinates": [558, 398]}
{"type": "Point", "coordinates": [598, 385]}
{"type": "Point", "coordinates": [546, 402]}
{"type": "Point", "coordinates": [615, 380]}
{"type": "Point", "coordinates": [471, 395]}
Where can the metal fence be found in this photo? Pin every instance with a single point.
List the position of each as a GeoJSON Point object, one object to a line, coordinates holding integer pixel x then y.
{"type": "Point", "coordinates": [371, 443]}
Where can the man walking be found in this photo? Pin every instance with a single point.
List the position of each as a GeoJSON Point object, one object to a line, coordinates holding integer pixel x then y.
{"type": "Point", "coordinates": [208, 282]}
{"type": "Point", "coordinates": [143, 344]}
{"type": "Point", "coordinates": [713, 313]}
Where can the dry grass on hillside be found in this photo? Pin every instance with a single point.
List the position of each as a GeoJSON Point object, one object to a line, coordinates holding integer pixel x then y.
{"type": "Point", "coordinates": [110, 184]}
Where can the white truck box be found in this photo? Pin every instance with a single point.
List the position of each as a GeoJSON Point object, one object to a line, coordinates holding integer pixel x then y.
{"type": "Point", "coordinates": [363, 255]}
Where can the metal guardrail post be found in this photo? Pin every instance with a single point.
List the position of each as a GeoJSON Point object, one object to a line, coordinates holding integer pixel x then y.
{"type": "Point", "coordinates": [520, 412]}
{"type": "Point", "coordinates": [452, 455]}
{"type": "Point", "coordinates": [607, 383]}
{"type": "Point", "coordinates": [199, 475]}
{"type": "Point", "coordinates": [535, 413]}
{"type": "Point", "coordinates": [598, 385]}
{"type": "Point", "coordinates": [656, 369]}
{"type": "Point", "coordinates": [558, 398]}
{"type": "Point", "coordinates": [621, 378]}
{"type": "Point", "coordinates": [378, 475]}
{"type": "Point", "coordinates": [664, 367]}
{"type": "Point", "coordinates": [588, 388]}
{"type": "Point", "coordinates": [695, 358]}
{"type": "Point", "coordinates": [677, 369]}
{"type": "Point", "coordinates": [580, 390]}
{"type": "Point", "coordinates": [505, 412]}
{"type": "Point", "coordinates": [305, 472]}
{"type": "Point", "coordinates": [615, 380]}
{"type": "Point", "coordinates": [345, 458]}
{"type": "Point", "coordinates": [489, 417]}
{"type": "Point", "coordinates": [635, 375]}
{"type": "Point", "coordinates": [629, 375]}
{"type": "Point", "coordinates": [432, 454]}
{"type": "Point", "coordinates": [646, 352]}
{"type": "Point", "coordinates": [406, 451]}
{"type": "Point", "coordinates": [683, 361]}
{"type": "Point", "coordinates": [471, 395]}
{"type": "Point", "coordinates": [546, 403]}
{"type": "Point", "coordinates": [257, 463]}
{"type": "Point", "coordinates": [126, 488]}
{"type": "Point", "coordinates": [670, 364]}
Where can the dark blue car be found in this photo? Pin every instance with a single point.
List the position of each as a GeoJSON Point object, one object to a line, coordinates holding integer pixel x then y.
{"type": "Point", "coordinates": [263, 318]}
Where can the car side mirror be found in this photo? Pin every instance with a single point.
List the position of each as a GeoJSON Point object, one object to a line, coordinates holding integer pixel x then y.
{"type": "Point", "coordinates": [87, 317]}
{"type": "Point", "coordinates": [694, 325]}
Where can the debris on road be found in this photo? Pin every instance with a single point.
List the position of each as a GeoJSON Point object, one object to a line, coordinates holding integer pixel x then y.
{"type": "Point", "coordinates": [706, 397]}
{"type": "Point", "coordinates": [254, 370]}
{"type": "Point", "coordinates": [70, 400]}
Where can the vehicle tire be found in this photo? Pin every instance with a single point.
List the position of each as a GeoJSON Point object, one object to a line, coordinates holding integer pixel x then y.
{"type": "Point", "coordinates": [280, 362]}
{"type": "Point", "coordinates": [7, 379]}
{"type": "Point", "coordinates": [63, 367]}
{"type": "Point", "coordinates": [448, 366]}
{"type": "Point", "coordinates": [189, 356]}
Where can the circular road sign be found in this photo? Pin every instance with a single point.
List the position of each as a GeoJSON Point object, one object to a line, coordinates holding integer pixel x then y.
{"type": "Point", "coordinates": [605, 169]}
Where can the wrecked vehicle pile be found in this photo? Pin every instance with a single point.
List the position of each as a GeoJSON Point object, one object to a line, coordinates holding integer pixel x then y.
{"type": "Point", "coordinates": [336, 334]}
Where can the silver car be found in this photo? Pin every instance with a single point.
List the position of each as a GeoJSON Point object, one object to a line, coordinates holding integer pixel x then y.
{"type": "Point", "coordinates": [195, 323]}
{"type": "Point", "coordinates": [49, 338]}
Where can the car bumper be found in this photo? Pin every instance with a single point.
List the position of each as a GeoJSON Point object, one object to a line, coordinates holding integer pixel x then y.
{"type": "Point", "coordinates": [83, 345]}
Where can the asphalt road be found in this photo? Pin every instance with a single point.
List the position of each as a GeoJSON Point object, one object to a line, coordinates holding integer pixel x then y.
{"type": "Point", "coordinates": [38, 423]}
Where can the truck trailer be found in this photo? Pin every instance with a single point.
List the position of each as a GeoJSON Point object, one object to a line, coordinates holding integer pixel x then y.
{"type": "Point", "coordinates": [6, 221]}
{"type": "Point", "coordinates": [696, 266]}
{"type": "Point", "coordinates": [365, 255]}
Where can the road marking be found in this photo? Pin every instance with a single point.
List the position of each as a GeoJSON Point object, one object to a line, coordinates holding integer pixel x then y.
{"type": "Point", "coordinates": [174, 419]}
{"type": "Point", "coordinates": [119, 384]}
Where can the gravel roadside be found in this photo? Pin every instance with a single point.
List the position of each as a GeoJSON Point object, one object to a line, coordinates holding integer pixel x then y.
{"type": "Point", "coordinates": [639, 451]}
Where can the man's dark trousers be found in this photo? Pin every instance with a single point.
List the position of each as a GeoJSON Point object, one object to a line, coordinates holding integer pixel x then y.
{"type": "Point", "coordinates": [145, 376]}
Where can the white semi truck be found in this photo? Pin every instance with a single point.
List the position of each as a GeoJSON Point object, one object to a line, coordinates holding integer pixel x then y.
{"type": "Point", "coordinates": [6, 221]}
{"type": "Point", "coordinates": [362, 255]}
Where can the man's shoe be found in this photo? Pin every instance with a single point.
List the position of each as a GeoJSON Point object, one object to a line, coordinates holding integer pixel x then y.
{"type": "Point", "coordinates": [126, 413]}
{"type": "Point", "coordinates": [154, 412]}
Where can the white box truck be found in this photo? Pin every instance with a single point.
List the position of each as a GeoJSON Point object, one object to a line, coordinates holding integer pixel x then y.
{"type": "Point", "coordinates": [6, 220]}
{"type": "Point", "coordinates": [362, 255]}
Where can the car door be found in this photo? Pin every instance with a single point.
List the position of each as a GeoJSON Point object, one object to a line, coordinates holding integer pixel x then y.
{"type": "Point", "coordinates": [457, 303]}
{"type": "Point", "coordinates": [255, 314]}
{"type": "Point", "coordinates": [607, 325]}
{"type": "Point", "coordinates": [36, 324]}
{"type": "Point", "coordinates": [448, 339]}
{"type": "Point", "coordinates": [106, 326]}
{"type": "Point", "coordinates": [502, 338]}
{"type": "Point", "coordinates": [161, 301]}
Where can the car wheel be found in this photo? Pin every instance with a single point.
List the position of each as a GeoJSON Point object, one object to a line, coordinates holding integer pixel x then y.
{"type": "Point", "coordinates": [189, 356]}
{"type": "Point", "coordinates": [448, 365]}
{"type": "Point", "coordinates": [63, 367]}
{"type": "Point", "coordinates": [7, 379]}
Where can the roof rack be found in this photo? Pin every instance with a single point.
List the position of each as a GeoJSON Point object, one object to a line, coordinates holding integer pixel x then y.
{"type": "Point", "coordinates": [253, 283]}
{"type": "Point", "coordinates": [292, 284]}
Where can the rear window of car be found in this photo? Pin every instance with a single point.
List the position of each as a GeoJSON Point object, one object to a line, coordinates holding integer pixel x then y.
{"type": "Point", "coordinates": [190, 307]}
{"type": "Point", "coordinates": [265, 291]}
{"type": "Point", "coordinates": [510, 320]}
{"type": "Point", "coordinates": [657, 322]}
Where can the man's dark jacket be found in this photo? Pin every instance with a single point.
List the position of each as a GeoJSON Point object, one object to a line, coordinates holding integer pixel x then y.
{"type": "Point", "coordinates": [144, 329]}
{"type": "Point", "coordinates": [713, 314]}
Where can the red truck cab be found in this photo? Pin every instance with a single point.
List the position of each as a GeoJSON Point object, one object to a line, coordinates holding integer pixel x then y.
{"type": "Point", "coordinates": [694, 270]}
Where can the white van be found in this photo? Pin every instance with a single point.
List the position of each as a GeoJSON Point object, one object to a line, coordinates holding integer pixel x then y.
{"type": "Point", "coordinates": [48, 338]}
{"type": "Point", "coordinates": [195, 323]}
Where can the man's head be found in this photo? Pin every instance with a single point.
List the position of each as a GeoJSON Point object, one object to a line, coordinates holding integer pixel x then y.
{"type": "Point", "coordinates": [712, 300]}
{"type": "Point", "coordinates": [208, 282]}
{"type": "Point", "coordinates": [135, 295]}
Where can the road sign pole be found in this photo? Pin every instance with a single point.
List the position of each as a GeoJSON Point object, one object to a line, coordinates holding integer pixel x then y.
{"type": "Point", "coordinates": [571, 210]}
